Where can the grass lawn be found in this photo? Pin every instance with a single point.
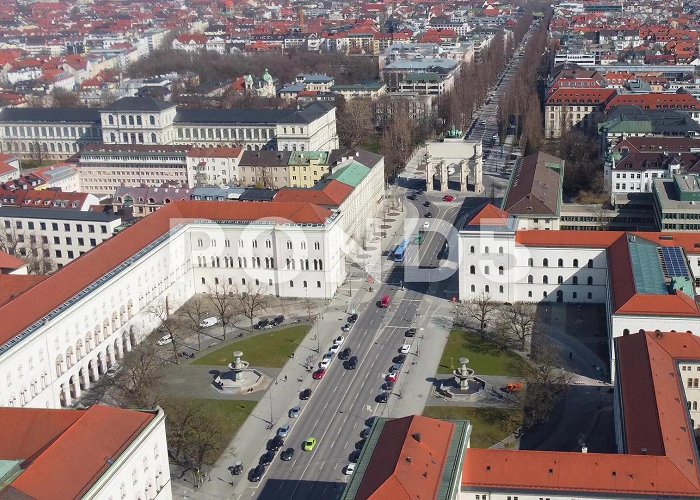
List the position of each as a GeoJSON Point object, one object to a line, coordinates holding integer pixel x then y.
{"type": "Point", "coordinates": [269, 349]}
{"type": "Point", "coordinates": [483, 357]}
{"type": "Point", "coordinates": [371, 144]}
{"type": "Point", "coordinates": [489, 425]}
{"type": "Point", "coordinates": [233, 414]}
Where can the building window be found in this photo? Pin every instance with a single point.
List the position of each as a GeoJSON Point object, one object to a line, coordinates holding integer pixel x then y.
{"type": "Point", "coordinates": [575, 262]}
{"type": "Point", "coordinates": [545, 263]}
{"type": "Point", "coordinates": [590, 280]}
{"type": "Point", "coordinates": [545, 279]}
{"type": "Point", "coordinates": [472, 270]}
{"type": "Point", "coordinates": [560, 262]}
{"type": "Point", "coordinates": [590, 263]}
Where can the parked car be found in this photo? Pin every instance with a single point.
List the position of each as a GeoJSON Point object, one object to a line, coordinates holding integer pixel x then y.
{"type": "Point", "coordinates": [165, 339]}
{"type": "Point", "coordinates": [287, 454]}
{"type": "Point", "coordinates": [294, 412]}
{"type": "Point", "coordinates": [346, 327]}
{"type": "Point", "coordinates": [405, 348]}
{"type": "Point", "coordinates": [426, 225]}
{"type": "Point", "coordinates": [428, 215]}
{"type": "Point", "coordinates": [261, 324]}
{"type": "Point", "coordinates": [392, 377]}
{"type": "Point", "coordinates": [323, 365]}
{"type": "Point", "coordinates": [345, 353]}
{"type": "Point", "coordinates": [339, 340]}
{"type": "Point", "coordinates": [207, 322]}
{"type": "Point", "coordinates": [448, 197]}
{"type": "Point", "coordinates": [385, 302]}
{"type": "Point", "coordinates": [388, 386]}
{"type": "Point", "coordinates": [318, 374]}
{"type": "Point", "coordinates": [275, 443]}
{"type": "Point", "coordinates": [309, 444]}
{"type": "Point", "coordinates": [399, 358]}
{"type": "Point", "coordinates": [351, 363]}
{"type": "Point", "coordinates": [352, 318]}
{"type": "Point", "coordinates": [305, 394]}
{"type": "Point", "coordinates": [283, 431]}
{"type": "Point", "coordinates": [349, 469]}
{"type": "Point", "coordinates": [382, 398]}
{"type": "Point", "coordinates": [267, 458]}
{"type": "Point", "coordinates": [426, 203]}
{"type": "Point", "coordinates": [257, 473]}
{"type": "Point", "coordinates": [278, 320]}
{"type": "Point", "coordinates": [334, 348]}
{"type": "Point", "coordinates": [396, 367]}
{"type": "Point", "coordinates": [411, 332]}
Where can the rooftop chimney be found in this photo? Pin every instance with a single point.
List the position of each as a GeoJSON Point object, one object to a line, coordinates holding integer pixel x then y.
{"type": "Point", "coordinates": [416, 436]}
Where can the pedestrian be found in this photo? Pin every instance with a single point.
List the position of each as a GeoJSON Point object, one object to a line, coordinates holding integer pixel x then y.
{"type": "Point", "coordinates": [285, 378]}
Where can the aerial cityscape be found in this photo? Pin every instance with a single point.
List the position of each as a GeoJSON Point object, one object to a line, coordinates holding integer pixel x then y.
{"type": "Point", "coordinates": [349, 250]}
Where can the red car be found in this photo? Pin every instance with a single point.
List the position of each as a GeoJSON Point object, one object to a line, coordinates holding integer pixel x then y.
{"type": "Point", "coordinates": [392, 377]}
{"type": "Point", "coordinates": [318, 374]}
{"type": "Point", "coordinates": [448, 197]}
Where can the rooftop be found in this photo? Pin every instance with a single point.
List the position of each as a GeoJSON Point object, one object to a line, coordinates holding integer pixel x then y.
{"type": "Point", "coordinates": [58, 115]}
{"type": "Point", "coordinates": [535, 186]}
{"type": "Point", "coordinates": [139, 104]}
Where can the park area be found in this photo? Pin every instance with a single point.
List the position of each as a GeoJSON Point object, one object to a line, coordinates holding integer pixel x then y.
{"type": "Point", "coordinates": [270, 349]}
{"type": "Point", "coordinates": [485, 358]}
{"type": "Point", "coordinates": [489, 425]}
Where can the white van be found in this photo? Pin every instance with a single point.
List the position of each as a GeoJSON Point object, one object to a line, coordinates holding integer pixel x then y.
{"type": "Point", "coordinates": [207, 322]}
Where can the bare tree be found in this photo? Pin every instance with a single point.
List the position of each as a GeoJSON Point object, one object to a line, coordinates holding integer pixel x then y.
{"type": "Point", "coordinates": [37, 255]}
{"type": "Point", "coordinates": [169, 323]}
{"type": "Point", "coordinates": [191, 315]}
{"type": "Point", "coordinates": [479, 309]}
{"type": "Point", "coordinates": [355, 121]}
{"type": "Point", "coordinates": [517, 321]}
{"type": "Point", "coordinates": [61, 98]}
{"type": "Point", "coordinates": [9, 239]}
{"type": "Point", "coordinates": [250, 299]}
{"type": "Point", "coordinates": [222, 298]}
{"type": "Point", "coordinates": [309, 305]}
{"type": "Point", "coordinates": [38, 152]}
{"type": "Point", "coordinates": [137, 383]}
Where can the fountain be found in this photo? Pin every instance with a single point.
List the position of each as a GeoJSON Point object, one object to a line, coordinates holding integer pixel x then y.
{"type": "Point", "coordinates": [463, 375]}
{"type": "Point", "coordinates": [240, 379]}
{"type": "Point", "coordinates": [464, 385]}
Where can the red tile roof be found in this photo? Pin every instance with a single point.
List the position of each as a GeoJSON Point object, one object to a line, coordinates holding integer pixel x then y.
{"type": "Point", "coordinates": [14, 285]}
{"type": "Point", "coordinates": [680, 100]}
{"type": "Point", "coordinates": [71, 279]}
{"type": "Point", "coordinates": [332, 194]}
{"type": "Point", "coordinates": [8, 261]}
{"type": "Point", "coordinates": [575, 96]}
{"type": "Point", "coordinates": [221, 152]}
{"type": "Point", "coordinates": [490, 215]}
{"type": "Point", "coordinates": [403, 467]}
{"type": "Point", "coordinates": [52, 442]}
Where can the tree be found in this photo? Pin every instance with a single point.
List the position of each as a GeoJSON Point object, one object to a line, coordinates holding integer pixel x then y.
{"type": "Point", "coordinates": [250, 299]}
{"type": "Point", "coordinates": [546, 384]}
{"type": "Point", "coordinates": [137, 383]}
{"type": "Point", "coordinates": [478, 309]}
{"type": "Point", "coordinates": [223, 300]}
{"type": "Point", "coordinates": [37, 255]}
{"type": "Point", "coordinates": [517, 322]}
{"type": "Point", "coordinates": [37, 151]}
{"type": "Point", "coordinates": [192, 314]}
{"type": "Point", "coordinates": [354, 121]}
{"type": "Point", "coordinates": [61, 98]}
{"type": "Point", "coordinates": [169, 324]}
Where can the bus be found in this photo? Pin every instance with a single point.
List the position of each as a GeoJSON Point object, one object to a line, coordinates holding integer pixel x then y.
{"type": "Point", "coordinates": [400, 251]}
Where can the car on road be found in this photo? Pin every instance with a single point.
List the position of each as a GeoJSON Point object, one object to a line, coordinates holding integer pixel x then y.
{"type": "Point", "coordinates": [448, 197]}
{"type": "Point", "coordinates": [338, 340]}
{"type": "Point", "coordinates": [388, 386]}
{"type": "Point", "coordinates": [352, 318]}
{"type": "Point", "coordinates": [318, 374]}
{"type": "Point", "coordinates": [385, 302]}
{"type": "Point", "coordinates": [411, 332]}
{"type": "Point", "coordinates": [287, 454]}
{"type": "Point", "coordinates": [426, 203]}
{"type": "Point", "coordinates": [283, 431]}
{"type": "Point", "coordinates": [349, 469]}
{"type": "Point", "coordinates": [309, 444]}
{"type": "Point", "coordinates": [396, 367]}
{"type": "Point", "coordinates": [305, 394]}
{"type": "Point", "coordinates": [382, 398]}
{"type": "Point", "coordinates": [370, 421]}
{"type": "Point", "coordinates": [346, 327]}
{"type": "Point", "coordinates": [294, 412]}
{"type": "Point", "coordinates": [261, 324]}
{"type": "Point", "coordinates": [428, 215]}
{"type": "Point", "coordinates": [411, 197]}
{"type": "Point", "coordinates": [165, 339]}
{"type": "Point", "coordinates": [278, 320]}
{"type": "Point", "coordinates": [345, 353]}
{"type": "Point", "coordinates": [426, 225]}
{"type": "Point", "coordinates": [267, 458]}
{"type": "Point", "coordinates": [351, 363]}
{"type": "Point", "coordinates": [207, 322]}
{"type": "Point", "coordinates": [257, 473]}
{"type": "Point", "coordinates": [399, 358]}
{"type": "Point", "coordinates": [392, 377]}
{"type": "Point", "coordinates": [334, 348]}
{"type": "Point", "coordinates": [405, 348]}
{"type": "Point", "coordinates": [323, 365]}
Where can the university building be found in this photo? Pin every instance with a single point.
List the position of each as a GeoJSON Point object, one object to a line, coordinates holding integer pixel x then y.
{"type": "Point", "coordinates": [60, 133]}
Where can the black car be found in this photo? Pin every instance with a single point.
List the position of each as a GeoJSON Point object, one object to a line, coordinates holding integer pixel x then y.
{"type": "Point", "coordinates": [388, 385]}
{"type": "Point", "coordinates": [352, 318]}
{"type": "Point", "coordinates": [411, 332]}
{"type": "Point", "coordinates": [345, 353]}
{"type": "Point", "coordinates": [261, 324]}
{"type": "Point", "coordinates": [305, 394]}
{"type": "Point", "coordinates": [399, 359]}
{"type": "Point", "coordinates": [278, 320]}
{"type": "Point", "coordinates": [382, 398]}
{"type": "Point", "coordinates": [428, 215]}
{"type": "Point", "coordinates": [426, 204]}
{"type": "Point", "coordinates": [352, 363]}
{"type": "Point", "coordinates": [275, 443]}
{"type": "Point", "coordinates": [267, 458]}
{"type": "Point", "coordinates": [287, 454]}
{"type": "Point", "coordinates": [257, 473]}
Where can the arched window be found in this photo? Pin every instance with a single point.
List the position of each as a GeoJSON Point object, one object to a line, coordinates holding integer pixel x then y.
{"type": "Point", "coordinates": [500, 250]}
{"type": "Point", "coordinates": [152, 120]}
{"type": "Point", "coordinates": [590, 295]}
{"type": "Point", "coordinates": [575, 280]}
{"type": "Point", "coordinates": [473, 288]}
{"type": "Point", "coordinates": [560, 262]}
{"type": "Point", "coordinates": [530, 279]}
{"type": "Point", "coordinates": [545, 279]}
{"type": "Point", "coordinates": [486, 249]}
{"type": "Point", "coordinates": [575, 262]}
{"type": "Point", "coordinates": [560, 280]}
{"type": "Point", "coordinates": [486, 269]}
{"type": "Point", "coordinates": [590, 263]}
{"type": "Point", "coordinates": [500, 289]}
{"type": "Point", "coordinates": [530, 262]}
{"type": "Point", "coordinates": [486, 289]}
{"type": "Point", "coordinates": [545, 262]}
{"type": "Point", "coordinates": [500, 270]}
{"type": "Point", "coordinates": [472, 270]}
{"type": "Point", "coordinates": [305, 284]}
{"type": "Point", "coordinates": [471, 249]}
{"type": "Point", "coordinates": [318, 284]}
{"type": "Point", "coordinates": [590, 280]}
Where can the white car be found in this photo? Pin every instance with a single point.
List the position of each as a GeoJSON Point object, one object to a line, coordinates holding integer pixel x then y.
{"type": "Point", "coordinates": [325, 363]}
{"type": "Point", "coordinates": [405, 348]}
{"type": "Point", "coordinates": [165, 339]}
{"type": "Point", "coordinates": [334, 348]}
{"type": "Point", "coordinates": [426, 225]}
{"type": "Point", "coordinates": [339, 340]}
{"type": "Point", "coordinates": [349, 469]}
